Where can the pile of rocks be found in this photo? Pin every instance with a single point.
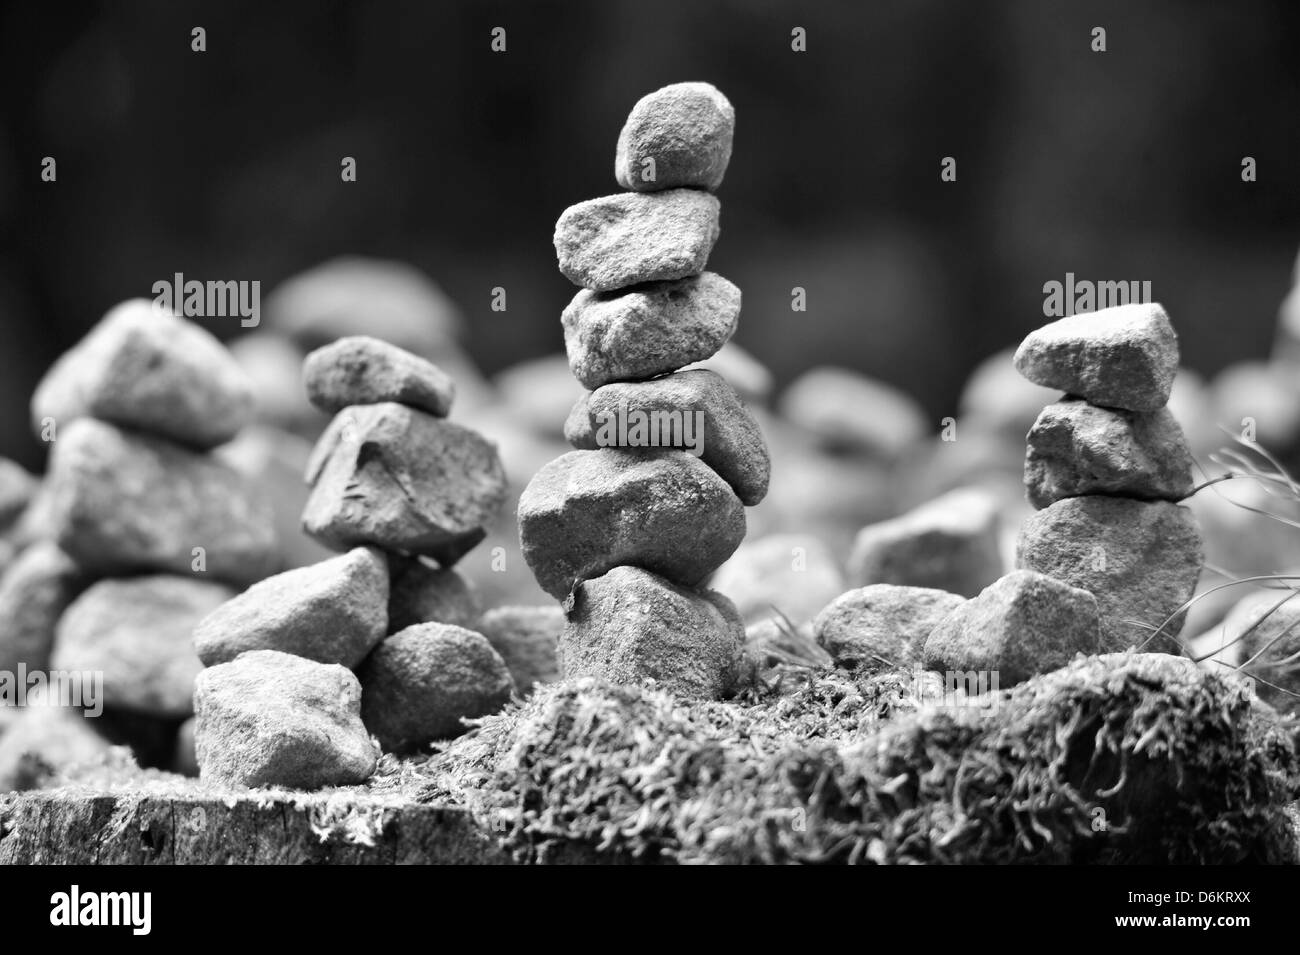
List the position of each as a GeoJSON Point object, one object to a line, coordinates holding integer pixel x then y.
{"type": "Point", "coordinates": [627, 528]}
{"type": "Point", "coordinates": [1106, 467]}
{"type": "Point", "coordinates": [137, 532]}
{"type": "Point", "coordinates": [1108, 558]}
{"type": "Point", "coordinates": [403, 494]}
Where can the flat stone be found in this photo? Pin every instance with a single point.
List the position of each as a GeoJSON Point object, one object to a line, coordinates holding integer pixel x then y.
{"type": "Point", "coordinates": [136, 631]}
{"type": "Point", "coordinates": [421, 682]}
{"type": "Point", "coordinates": [1021, 625]}
{"type": "Point", "coordinates": [526, 638]}
{"type": "Point", "coordinates": [124, 503]}
{"type": "Point", "coordinates": [625, 239]}
{"type": "Point", "coordinates": [787, 576]}
{"type": "Point", "coordinates": [360, 370]}
{"type": "Point", "coordinates": [676, 136]}
{"type": "Point", "coordinates": [274, 719]}
{"type": "Point", "coordinates": [403, 480]}
{"type": "Point", "coordinates": [144, 368]}
{"type": "Point", "coordinates": [1122, 357]}
{"type": "Point", "coordinates": [331, 612]}
{"type": "Point", "coordinates": [587, 512]}
{"type": "Point", "coordinates": [1140, 559]}
{"type": "Point", "coordinates": [17, 489]}
{"type": "Point", "coordinates": [420, 592]}
{"type": "Point", "coordinates": [650, 330]}
{"type": "Point", "coordinates": [34, 591]}
{"type": "Point", "coordinates": [949, 543]}
{"type": "Point", "coordinates": [1075, 449]}
{"type": "Point", "coordinates": [631, 625]}
{"type": "Point", "coordinates": [696, 411]}
{"type": "Point", "coordinates": [848, 412]}
{"type": "Point", "coordinates": [882, 626]}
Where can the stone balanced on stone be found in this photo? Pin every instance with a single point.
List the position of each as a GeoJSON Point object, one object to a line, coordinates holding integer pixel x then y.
{"type": "Point", "coordinates": [396, 488]}
{"type": "Point", "coordinates": [1106, 466]}
{"type": "Point", "coordinates": [625, 529]}
{"type": "Point", "coordinates": [144, 530]}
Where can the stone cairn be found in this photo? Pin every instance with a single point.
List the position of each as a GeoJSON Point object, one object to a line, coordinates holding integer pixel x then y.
{"type": "Point", "coordinates": [403, 494]}
{"type": "Point", "coordinates": [1106, 467]}
{"type": "Point", "coordinates": [1108, 558]}
{"type": "Point", "coordinates": [627, 528]}
{"type": "Point", "coordinates": [137, 532]}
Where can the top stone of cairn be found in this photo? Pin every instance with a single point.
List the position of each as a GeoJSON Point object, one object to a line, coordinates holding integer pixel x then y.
{"type": "Point", "coordinates": [1122, 357]}
{"type": "Point", "coordinates": [678, 136]}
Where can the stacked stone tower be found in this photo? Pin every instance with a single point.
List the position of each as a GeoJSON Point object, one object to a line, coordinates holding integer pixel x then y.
{"type": "Point", "coordinates": [1106, 466]}
{"type": "Point", "coordinates": [626, 528]}
{"type": "Point", "coordinates": [403, 494]}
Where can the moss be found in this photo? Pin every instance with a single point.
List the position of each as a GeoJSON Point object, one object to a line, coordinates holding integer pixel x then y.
{"type": "Point", "coordinates": [1121, 758]}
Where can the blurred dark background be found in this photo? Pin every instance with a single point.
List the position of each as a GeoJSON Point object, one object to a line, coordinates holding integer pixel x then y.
{"type": "Point", "coordinates": [225, 164]}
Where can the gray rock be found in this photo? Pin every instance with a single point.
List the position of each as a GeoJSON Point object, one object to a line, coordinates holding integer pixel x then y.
{"type": "Point", "coordinates": [44, 742]}
{"type": "Point", "coordinates": [331, 612]}
{"type": "Point", "coordinates": [950, 543]}
{"type": "Point", "coordinates": [790, 576]}
{"type": "Point", "coordinates": [696, 411]}
{"type": "Point", "coordinates": [1122, 357]}
{"type": "Point", "coordinates": [630, 625]}
{"type": "Point", "coordinates": [420, 683]}
{"type": "Point", "coordinates": [359, 370]}
{"type": "Point", "coordinates": [392, 301]}
{"type": "Point", "coordinates": [1022, 624]}
{"type": "Point", "coordinates": [577, 425]}
{"type": "Point", "coordinates": [273, 719]}
{"type": "Point", "coordinates": [847, 411]}
{"type": "Point", "coordinates": [122, 502]}
{"type": "Point", "coordinates": [648, 331]}
{"type": "Point", "coordinates": [743, 371]}
{"type": "Point", "coordinates": [144, 368]}
{"type": "Point", "coordinates": [629, 238]}
{"type": "Point", "coordinates": [1139, 558]}
{"type": "Point", "coordinates": [882, 626]}
{"type": "Point", "coordinates": [772, 642]}
{"type": "Point", "coordinates": [587, 512]}
{"type": "Point", "coordinates": [1076, 449]}
{"type": "Point", "coordinates": [34, 592]}
{"type": "Point", "coordinates": [997, 398]}
{"type": "Point", "coordinates": [274, 460]}
{"type": "Point", "coordinates": [136, 631]}
{"type": "Point", "coordinates": [400, 479]}
{"type": "Point", "coordinates": [1267, 628]}
{"type": "Point", "coordinates": [676, 136]}
{"type": "Point", "coordinates": [537, 393]}
{"type": "Point", "coordinates": [526, 638]}
{"type": "Point", "coordinates": [420, 592]}
{"type": "Point", "coordinates": [273, 366]}
{"type": "Point", "coordinates": [17, 489]}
